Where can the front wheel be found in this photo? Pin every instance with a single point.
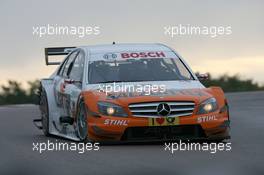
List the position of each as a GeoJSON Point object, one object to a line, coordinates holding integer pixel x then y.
{"type": "Point", "coordinates": [81, 123]}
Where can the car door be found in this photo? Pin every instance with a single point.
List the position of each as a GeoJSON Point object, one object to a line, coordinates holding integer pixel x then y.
{"type": "Point", "coordinates": [73, 84]}
{"type": "Point", "coordinates": [60, 84]}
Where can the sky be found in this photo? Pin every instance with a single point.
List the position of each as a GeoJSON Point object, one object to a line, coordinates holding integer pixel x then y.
{"type": "Point", "coordinates": [135, 21]}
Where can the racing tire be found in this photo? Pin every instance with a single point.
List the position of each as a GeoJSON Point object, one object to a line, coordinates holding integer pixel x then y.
{"type": "Point", "coordinates": [81, 123]}
{"type": "Point", "coordinates": [44, 109]}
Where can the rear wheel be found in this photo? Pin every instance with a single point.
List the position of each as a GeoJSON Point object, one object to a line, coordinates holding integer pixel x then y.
{"type": "Point", "coordinates": [44, 109]}
{"type": "Point", "coordinates": [81, 123]}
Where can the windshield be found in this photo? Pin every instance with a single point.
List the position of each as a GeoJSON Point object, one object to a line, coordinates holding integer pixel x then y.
{"type": "Point", "coordinates": [132, 70]}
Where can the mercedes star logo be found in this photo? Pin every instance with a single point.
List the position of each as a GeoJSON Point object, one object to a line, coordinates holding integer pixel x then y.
{"type": "Point", "coordinates": [163, 109]}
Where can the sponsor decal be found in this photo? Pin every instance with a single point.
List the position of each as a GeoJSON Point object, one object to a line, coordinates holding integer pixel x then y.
{"type": "Point", "coordinates": [143, 55]}
{"type": "Point", "coordinates": [206, 118]}
{"type": "Point", "coordinates": [163, 121]}
{"type": "Point", "coordinates": [109, 56]}
{"type": "Point", "coordinates": [160, 120]}
{"type": "Point", "coordinates": [170, 119]}
{"type": "Point", "coordinates": [116, 122]}
{"type": "Point", "coordinates": [161, 131]}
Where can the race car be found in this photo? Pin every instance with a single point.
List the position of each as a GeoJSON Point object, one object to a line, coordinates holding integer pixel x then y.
{"type": "Point", "coordinates": [129, 92]}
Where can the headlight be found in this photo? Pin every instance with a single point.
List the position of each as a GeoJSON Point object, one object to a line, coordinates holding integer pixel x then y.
{"type": "Point", "coordinates": [111, 109]}
{"type": "Point", "coordinates": [209, 105]}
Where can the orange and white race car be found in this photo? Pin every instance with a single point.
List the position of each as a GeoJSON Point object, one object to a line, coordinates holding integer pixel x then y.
{"type": "Point", "coordinates": [129, 92]}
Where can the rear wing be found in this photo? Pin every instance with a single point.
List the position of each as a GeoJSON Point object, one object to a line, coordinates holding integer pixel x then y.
{"type": "Point", "coordinates": [55, 51]}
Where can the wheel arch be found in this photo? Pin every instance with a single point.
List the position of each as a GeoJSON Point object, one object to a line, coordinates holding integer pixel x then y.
{"type": "Point", "coordinates": [53, 110]}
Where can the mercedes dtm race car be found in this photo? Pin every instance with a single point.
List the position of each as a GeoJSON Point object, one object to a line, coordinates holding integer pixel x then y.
{"type": "Point", "coordinates": [129, 92]}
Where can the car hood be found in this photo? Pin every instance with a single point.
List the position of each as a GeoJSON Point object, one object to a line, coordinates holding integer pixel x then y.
{"type": "Point", "coordinates": [174, 91]}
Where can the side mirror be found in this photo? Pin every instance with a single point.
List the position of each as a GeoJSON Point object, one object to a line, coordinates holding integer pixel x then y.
{"type": "Point", "coordinates": [202, 77]}
{"type": "Point", "coordinates": [71, 81]}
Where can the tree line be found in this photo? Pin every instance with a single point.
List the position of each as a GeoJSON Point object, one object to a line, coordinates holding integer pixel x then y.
{"type": "Point", "coordinates": [14, 93]}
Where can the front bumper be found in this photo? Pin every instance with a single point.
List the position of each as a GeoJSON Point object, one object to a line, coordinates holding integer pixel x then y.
{"type": "Point", "coordinates": [213, 127]}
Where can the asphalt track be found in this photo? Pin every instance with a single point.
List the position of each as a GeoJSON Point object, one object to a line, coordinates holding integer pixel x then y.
{"type": "Point", "coordinates": [246, 157]}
